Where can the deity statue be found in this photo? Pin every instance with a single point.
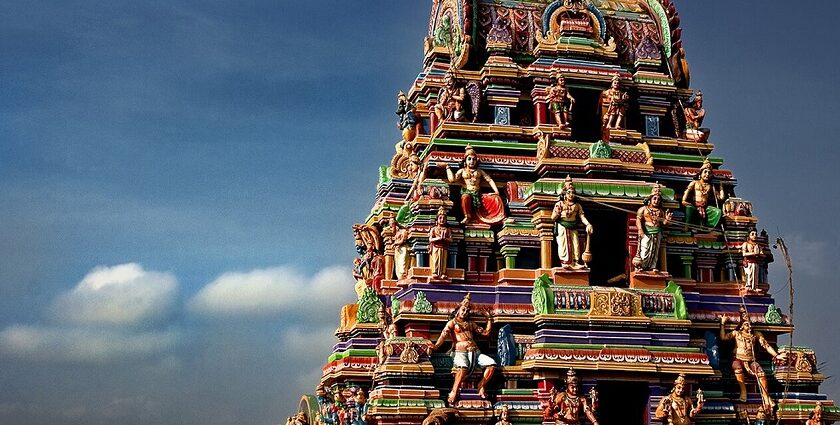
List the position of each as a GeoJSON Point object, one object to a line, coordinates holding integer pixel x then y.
{"type": "Point", "coordinates": [815, 417]}
{"type": "Point", "coordinates": [439, 238]}
{"type": "Point", "coordinates": [504, 417]}
{"type": "Point", "coordinates": [561, 102]}
{"type": "Point", "coordinates": [407, 118]}
{"type": "Point", "coordinates": [751, 253]}
{"type": "Point", "coordinates": [487, 208]}
{"type": "Point", "coordinates": [568, 211]}
{"type": "Point", "coordinates": [361, 407]}
{"type": "Point", "coordinates": [677, 408]}
{"type": "Point", "coordinates": [615, 102]}
{"type": "Point", "coordinates": [745, 360]}
{"type": "Point", "coordinates": [416, 170]}
{"type": "Point", "coordinates": [298, 419]}
{"type": "Point", "coordinates": [467, 354]}
{"type": "Point", "coordinates": [402, 253]}
{"type": "Point", "coordinates": [389, 331]}
{"type": "Point", "coordinates": [694, 113]}
{"type": "Point", "coordinates": [650, 219]}
{"type": "Point", "coordinates": [450, 101]}
{"type": "Point", "coordinates": [567, 406]}
{"type": "Point", "coordinates": [697, 197]}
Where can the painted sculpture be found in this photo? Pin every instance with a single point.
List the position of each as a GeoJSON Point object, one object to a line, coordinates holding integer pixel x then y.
{"type": "Point", "coordinates": [751, 253]}
{"type": "Point", "coordinates": [694, 115]}
{"type": "Point", "coordinates": [566, 407]}
{"type": "Point", "coordinates": [614, 101]}
{"type": "Point", "coordinates": [815, 417]}
{"type": "Point", "coordinates": [439, 238]}
{"type": "Point", "coordinates": [561, 103]}
{"type": "Point", "coordinates": [450, 101]}
{"type": "Point", "coordinates": [745, 360]}
{"type": "Point", "coordinates": [566, 214]}
{"type": "Point", "coordinates": [467, 355]}
{"type": "Point", "coordinates": [650, 219]}
{"type": "Point", "coordinates": [402, 252]}
{"type": "Point", "coordinates": [486, 208]}
{"type": "Point", "coordinates": [408, 120]}
{"type": "Point", "coordinates": [698, 197]}
{"type": "Point", "coordinates": [504, 417]}
{"type": "Point", "coordinates": [677, 408]}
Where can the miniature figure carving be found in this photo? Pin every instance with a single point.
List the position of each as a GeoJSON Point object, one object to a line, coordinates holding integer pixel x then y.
{"type": "Point", "coordinates": [439, 238]}
{"type": "Point", "coordinates": [504, 417]}
{"type": "Point", "coordinates": [694, 115]}
{"type": "Point", "coordinates": [467, 354]}
{"type": "Point", "coordinates": [815, 417]}
{"type": "Point", "coordinates": [487, 208]}
{"type": "Point", "coordinates": [751, 253]}
{"type": "Point", "coordinates": [407, 118]}
{"type": "Point", "coordinates": [745, 361]}
{"type": "Point", "coordinates": [649, 220]}
{"type": "Point", "coordinates": [566, 213]}
{"type": "Point", "coordinates": [561, 103]}
{"type": "Point", "coordinates": [566, 407]}
{"type": "Point", "coordinates": [298, 419]}
{"type": "Point", "coordinates": [697, 197]}
{"type": "Point", "coordinates": [450, 101]}
{"type": "Point", "coordinates": [402, 253]}
{"type": "Point", "coordinates": [615, 102]}
{"type": "Point", "coordinates": [389, 330]}
{"type": "Point", "coordinates": [677, 408]}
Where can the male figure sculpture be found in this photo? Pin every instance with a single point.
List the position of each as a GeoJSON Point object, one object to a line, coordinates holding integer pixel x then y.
{"type": "Point", "coordinates": [649, 221]}
{"type": "Point", "coordinates": [566, 407]}
{"type": "Point", "coordinates": [467, 354]}
{"type": "Point", "coordinates": [677, 408]}
{"type": "Point", "coordinates": [565, 214]}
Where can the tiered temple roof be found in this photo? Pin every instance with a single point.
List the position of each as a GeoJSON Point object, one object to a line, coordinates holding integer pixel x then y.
{"type": "Point", "coordinates": [628, 308]}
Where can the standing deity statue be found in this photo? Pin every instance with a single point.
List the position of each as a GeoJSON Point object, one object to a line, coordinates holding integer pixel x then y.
{"type": "Point", "coordinates": [439, 238]}
{"type": "Point", "coordinates": [565, 214]}
{"type": "Point", "coordinates": [402, 252]}
{"type": "Point", "coordinates": [467, 354]}
{"type": "Point", "coordinates": [450, 101]}
{"type": "Point", "coordinates": [486, 208]}
{"type": "Point", "coordinates": [389, 330]}
{"type": "Point", "coordinates": [697, 198]}
{"type": "Point", "coordinates": [407, 118]}
{"type": "Point", "coordinates": [561, 103]}
{"type": "Point", "coordinates": [615, 102]}
{"type": "Point", "coordinates": [751, 253]}
{"type": "Point", "coordinates": [650, 219]}
{"type": "Point", "coordinates": [567, 406]}
{"type": "Point", "coordinates": [745, 361]}
{"type": "Point", "coordinates": [677, 408]}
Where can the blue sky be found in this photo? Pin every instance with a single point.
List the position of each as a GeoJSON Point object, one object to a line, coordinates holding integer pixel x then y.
{"type": "Point", "coordinates": [178, 180]}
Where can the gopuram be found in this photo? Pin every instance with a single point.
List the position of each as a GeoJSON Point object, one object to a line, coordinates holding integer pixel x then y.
{"type": "Point", "coordinates": [554, 241]}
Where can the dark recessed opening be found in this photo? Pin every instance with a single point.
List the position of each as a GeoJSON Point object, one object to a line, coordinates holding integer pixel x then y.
{"type": "Point", "coordinates": [608, 245]}
{"type": "Point", "coordinates": [586, 117]}
{"type": "Point", "coordinates": [623, 402]}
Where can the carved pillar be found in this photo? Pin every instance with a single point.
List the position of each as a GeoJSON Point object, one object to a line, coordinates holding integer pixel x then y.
{"type": "Point", "coordinates": [543, 224]}
{"type": "Point", "coordinates": [687, 264]}
{"type": "Point", "coordinates": [510, 253]}
{"type": "Point", "coordinates": [540, 106]}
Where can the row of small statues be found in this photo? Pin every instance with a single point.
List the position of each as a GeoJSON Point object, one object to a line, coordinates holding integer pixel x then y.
{"type": "Point", "coordinates": [699, 200]}
{"type": "Point", "coordinates": [568, 406]}
{"type": "Point", "coordinates": [614, 101]}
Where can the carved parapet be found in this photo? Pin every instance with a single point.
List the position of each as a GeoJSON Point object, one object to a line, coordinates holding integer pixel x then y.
{"type": "Point", "coordinates": [615, 302]}
{"type": "Point", "coordinates": [796, 365]}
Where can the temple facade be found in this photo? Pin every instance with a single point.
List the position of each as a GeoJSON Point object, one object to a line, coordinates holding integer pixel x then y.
{"type": "Point", "coordinates": [554, 240]}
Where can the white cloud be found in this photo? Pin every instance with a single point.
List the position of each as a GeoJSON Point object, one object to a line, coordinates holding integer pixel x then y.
{"type": "Point", "coordinates": [122, 295]}
{"type": "Point", "coordinates": [55, 344]}
{"type": "Point", "coordinates": [273, 292]}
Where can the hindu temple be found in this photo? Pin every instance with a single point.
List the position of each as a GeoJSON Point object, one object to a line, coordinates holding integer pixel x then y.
{"type": "Point", "coordinates": [555, 242]}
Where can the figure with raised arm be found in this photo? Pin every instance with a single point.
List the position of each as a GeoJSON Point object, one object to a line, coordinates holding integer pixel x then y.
{"type": "Point", "coordinates": [486, 208]}
{"type": "Point", "coordinates": [560, 102]}
{"type": "Point", "coordinates": [677, 408]}
{"type": "Point", "coordinates": [567, 406]}
{"type": "Point", "coordinates": [650, 219]}
{"type": "Point", "coordinates": [467, 355]}
{"type": "Point", "coordinates": [751, 253]}
{"type": "Point", "coordinates": [745, 360]}
{"type": "Point", "coordinates": [698, 197]}
{"type": "Point", "coordinates": [565, 214]}
{"type": "Point", "coordinates": [615, 102]}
